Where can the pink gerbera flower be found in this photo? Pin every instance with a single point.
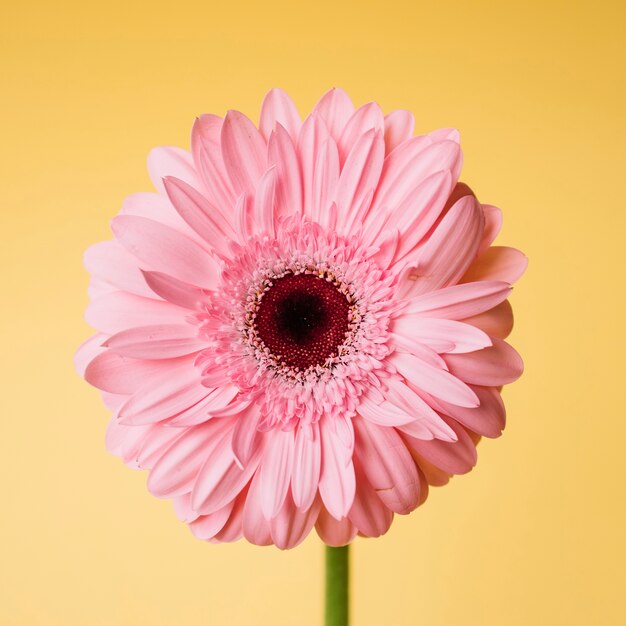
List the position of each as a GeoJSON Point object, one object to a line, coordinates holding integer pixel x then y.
{"type": "Point", "coordinates": [304, 325]}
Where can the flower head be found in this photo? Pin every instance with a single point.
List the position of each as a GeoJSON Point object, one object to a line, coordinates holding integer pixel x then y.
{"type": "Point", "coordinates": [305, 325]}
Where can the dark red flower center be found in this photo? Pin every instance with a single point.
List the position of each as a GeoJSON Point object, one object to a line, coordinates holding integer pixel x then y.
{"type": "Point", "coordinates": [303, 319]}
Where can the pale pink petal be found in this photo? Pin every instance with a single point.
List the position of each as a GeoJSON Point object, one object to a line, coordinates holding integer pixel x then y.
{"type": "Point", "coordinates": [306, 466]}
{"type": "Point", "coordinates": [244, 152]}
{"type": "Point", "coordinates": [164, 395]}
{"type": "Point", "coordinates": [487, 419]}
{"type": "Point", "coordinates": [171, 161]}
{"type": "Point", "coordinates": [497, 263]}
{"type": "Point", "coordinates": [88, 351]}
{"type": "Point", "coordinates": [313, 136]}
{"type": "Point", "coordinates": [278, 108]}
{"type": "Point", "coordinates": [291, 525]}
{"type": "Point", "coordinates": [336, 108]}
{"type": "Point", "coordinates": [119, 310]}
{"type": "Point", "coordinates": [460, 301]}
{"type": "Point", "coordinates": [437, 382]}
{"type": "Point", "coordinates": [221, 479]}
{"type": "Point", "coordinates": [175, 291]}
{"type": "Point", "coordinates": [199, 214]}
{"type": "Point", "coordinates": [359, 178]}
{"type": "Point", "coordinates": [182, 508]}
{"type": "Point", "coordinates": [416, 215]}
{"type": "Point", "coordinates": [207, 526]}
{"type": "Point", "coordinates": [119, 374]}
{"type": "Point", "coordinates": [217, 403]}
{"type": "Point", "coordinates": [109, 262]}
{"type": "Point", "coordinates": [493, 224]}
{"type": "Point", "coordinates": [497, 322]}
{"type": "Point", "coordinates": [265, 203]}
{"type": "Point", "coordinates": [276, 471]}
{"type": "Point", "coordinates": [281, 152]}
{"type": "Point", "coordinates": [233, 529]}
{"type": "Point", "coordinates": [410, 164]}
{"type": "Point", "coordinates": [337, 482]}
{"type": "Point", "coordinates": [176, 470]}
{"type": "Point", "coordinates": [399, 126]}
{"type": "Point", "coordinates": [246, 436]}
{"type": "Point", "coordinates": [453, 457]}
{"type": "Point", "coordinates": [434, 333]}
{"type": "Point", "coordinates": [388, 466]}
{"type": "Point", "coordinates": [163, 249]}
{"type": "Point", "coordinates": [256, 528]}
{"type": "Point", "coordinates": [164, 341]}
{"type": "Point", "coordinates": [498, 365]}
{"type": "Point", "coordinates": [334, 532]}
{"type": "Point", "coordinates": [207, 151]}
{"type": "Point", "coordinates": [365, 118]}
{"type": "Point", "coordinates": [370, 516]}
{"type": "Point", "coordinates": [447, 254]}
{"type": "Point", "coordinates": [325, 178]}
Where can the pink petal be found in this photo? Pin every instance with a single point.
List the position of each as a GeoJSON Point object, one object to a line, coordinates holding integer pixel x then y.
{"type": "Point", "coordinates": [171, 161]}
{"type": "Point", "coordinates": [498, 263]}
{"type": "Point", "coordinates": [276, 471]}
{"type": "Point", "coordinates": [119, 374]}
{"type": "Point", "coordinates": [325, 178]}
{"type": "Point", "coordinates": [118, 311]}
{"type": "Point", "coordinates": [359, 178]}
{"type": "Point", "coordinates": [233, 529]}
{"type": "Point", "coordinates": [337, 482]}
{"type": "Point", "coordinates": [336, 108]}
{"type": "Point", "coordinates": [460, 301]}
{"type": "Point", "coordinates": [399, 126]}
{"type": "Point", "coordinates": [498, 365]}
{"type": "Point", "coordinates": [88, 351]}
{"type": "Point", "coordinates": [166, 250]}
{"type": "Point", "coordinates": [388, 466]}
{"type": "Point", "coordinates": [175, 291]}
{"type": "Point", "coordinates": [306, 466]}
{"type": "Point", "coordinates": [256, 528]}
{"type": "Point", "coordinates": [456, 457]}
{"type": "Point", "coordinates": [497, 322]}
{"type": "Point", "coordinates": [176, 470]}
{"type": "Point", "coordinates": [493, 224]}
{"type": "Point", "coordinates": [202, 217]}
{"type": "Point", "coordinates": [278, 108]}
{"type": "Point", "coordinates": [108, 261]}
{"type": "Point", "coordinates": [291, 525]}
{"type": "Point", "coordinates": [282, 153]}
{"type": "Point", "coordinates": [410, 164]}
{"type": "Point", "coordinates": [265, 213]}
{"type": "Point", "coordinates": [434, 332]}
{"type": "Point", "coordinates": [334, 532]}
{"type": "Point", "coordinates": [207, 526]}
{"type": "Point", "coordinates": [365, 118]}
{"type": "Point", "coordinates": [163, 395]}
{"type": "Point", "coordinates": [370, 516]}
{"type": "Point", "coordinates": [488, 419]}
{"type": "Point", "coordinates": [246, 435]}
{"type": "Point", "coordinates": [221, 479]}
{"type": "Point", "coordinates": [164, 341]}
{"type": "Point", "coordinates": [313, 136]}
{"type": "Point", "coordinates": [182, 508]}
{"type": "Point", "coordinates": [445, 257]}
{"type": "Point", "coordinates": [244, 152]}
{"type": "Point", "coordinates": [207, 151]}
{"type": "Point", "coordinates": [416, 215]}
{"type": "Point", "coordinates": [215, 404]}
{"type": "Point", "coordinates": [437, 382]}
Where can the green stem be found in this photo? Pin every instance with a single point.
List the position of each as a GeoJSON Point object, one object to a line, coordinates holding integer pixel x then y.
{"type": "Point", "coordinates": [337, 566]}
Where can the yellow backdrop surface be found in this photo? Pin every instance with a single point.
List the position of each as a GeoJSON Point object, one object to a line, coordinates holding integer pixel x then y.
{"type": "Point", "coordinates": [534, 535]}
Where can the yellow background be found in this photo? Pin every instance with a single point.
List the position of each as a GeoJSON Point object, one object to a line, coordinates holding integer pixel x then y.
{"type": "Point", "coordinates": [535, 535]}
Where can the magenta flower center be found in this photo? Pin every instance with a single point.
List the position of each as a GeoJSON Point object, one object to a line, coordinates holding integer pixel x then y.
{"type": "Point", "coordinates": [303, 320]}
